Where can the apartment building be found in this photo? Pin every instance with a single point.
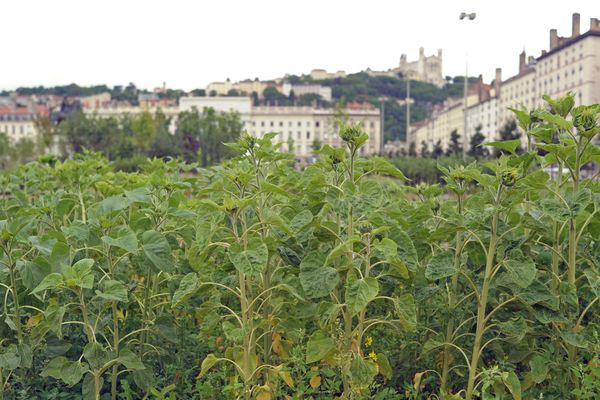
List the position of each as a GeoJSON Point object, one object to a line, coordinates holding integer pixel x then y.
{"type": "Point", "coordinates": [571, 64]}
{"type": "Point", "coordinates": [299, 129]}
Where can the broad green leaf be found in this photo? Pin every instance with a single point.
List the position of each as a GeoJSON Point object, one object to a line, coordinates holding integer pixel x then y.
{"type": "Point", "coordinates": [538, 293]}
{"type": "Point", "coordinates": [388, 248]}
{"type": "Point", "coordinates": [270, 188]}
{"type": "Point", "coordinates": [113, 291]}
{"type": "Point", "coordinates": [406, 311]}
{"type": "Point", "coordinates": [574, 339]}
{"type": "Point", "coordinates": [316, 278]}
{"type": "Point", "coordinates": [318, 346]}
{"type": "Point", "coordinates": [33, 272]}
{"type": "Point", "coordinates": [109, 205]}
{"type": "Point", "coordinates": [556, 120]}
{"type": "Point", "coordinates": [594, 281]}
{"type": "Point", "coordinates": [511, 381]}
{"type": "Point", "coordinates": [187, 287]}
{"type": "Point", "coordinates": [406, 248]}
{"type": "Point", "coordinates": [157, 249]}
{"type": "Point", "coordinates": [70, 372]}
{"type": "Point", "coordinates": [126, 241]}
{"type": "Point", "coordinates": [253, 259]}
{"type": "Point", "coordinates": [440, 266]}
{"type": "Point", "coordinates": [362, 373]}
{"type": "Point", "coordinates": [506, 145]}
{"type": "Point", "coordinates": [207, 364]}
{"type": "Point", "coordinates": [540, 366]}
{"type": "Point", "coordinates": [385, 368]}
{"type": "Point", "coordinates": [514, 329]}
{"type": "Point", "coordinates": [96, 355]}
{"type": "Point", "coordinates": [80, 274]}
{"type": "Point", "coordinates": [360, 293]}
{"type": "Point", "coordinates": [301, 220]}
{"type": "Point", "coordinates": [10, 358]}
{"type": "Point", "coordinates": [521, 270]}
{"type": "Point", "coordinates": [51, 281]}
{"type": "Point", "coordinates": [130, 360]}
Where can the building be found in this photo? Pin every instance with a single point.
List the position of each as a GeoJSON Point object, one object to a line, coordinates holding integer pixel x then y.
{"type": "Point", "coordinates": [425, 68]}
{"type": "Point", "coordinates": [20, 122]}
{"type": "Point", "coordinates": [572, 64]}
{"type": "Point", "coordinates": [321, 74]}
{"type": "Point", "coordinates": [300, 129]}
{"type": "Point", "coordinates": [95, 101]}
{"type": "Point", "coordinates": [300, 90]}
{"type": "Point", "coordinates": [245, 87]}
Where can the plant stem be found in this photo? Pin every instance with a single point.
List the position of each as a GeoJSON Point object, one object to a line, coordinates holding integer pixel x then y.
{"type": "Point", "coordinates": [481, 309]}
{"type": "Point", "coordinates": [452, 304]}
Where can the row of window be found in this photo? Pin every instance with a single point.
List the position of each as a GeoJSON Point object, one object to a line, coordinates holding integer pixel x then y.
{"type": "Point", "coordinates": [16, 117]}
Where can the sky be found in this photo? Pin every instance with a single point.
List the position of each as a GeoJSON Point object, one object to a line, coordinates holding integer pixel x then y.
{"type": "Point", "coordinates": [190, 43]}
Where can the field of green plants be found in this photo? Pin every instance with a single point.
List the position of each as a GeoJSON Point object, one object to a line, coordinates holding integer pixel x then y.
{"type": "Point", "coordinates": [254, 280]}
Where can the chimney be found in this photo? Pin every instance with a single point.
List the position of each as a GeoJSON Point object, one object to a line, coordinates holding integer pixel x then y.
{"type": "Point", "coordinates": [594, 24]}
{"type": "Point", "coordinates": [522, 57]}
{"type": "Point", "coordinates": [530, 60]}
{"type": "Point", "coordinates": [498, 81]}
{"type": "Point", "coordinates": [553, 39]}
{"type": "Point", "coordinates": [576, 25]}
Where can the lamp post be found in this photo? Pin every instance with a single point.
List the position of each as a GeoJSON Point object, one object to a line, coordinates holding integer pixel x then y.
{"type": "Point", "coordinates": [467, 17]}
{"type": "Point", "coordinates": [382, 101]}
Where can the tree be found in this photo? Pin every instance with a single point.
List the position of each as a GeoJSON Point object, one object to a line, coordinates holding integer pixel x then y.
{"type": "Point", "coordinates": [509, 131]}
{"type": "Point", "coordinates": [438, 150]}
{"type": "Point", "coordinates": [477, 150]}
{"type": "Point", "coordinates": [4, 150]}
{"type": "Point", "coordinates": [144, 132]}
{"type": "Point", "coordinates": [412, 151]}
{"type": "Point", "coordinates": [424, 149]}
{"type": "Point", "coordinates": [455, 146]}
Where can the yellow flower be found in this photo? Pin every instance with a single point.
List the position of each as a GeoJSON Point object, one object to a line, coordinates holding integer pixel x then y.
{"type": "Point", "coordinates": [373, 356]}
{"type": "Point", "coordinates": [368, 341]}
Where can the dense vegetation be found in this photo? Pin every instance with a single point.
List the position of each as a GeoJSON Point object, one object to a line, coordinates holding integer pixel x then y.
{"type": "Point", "coordinates": [255, 280]}
{"type": "Point", "coordinates": [130, 139]}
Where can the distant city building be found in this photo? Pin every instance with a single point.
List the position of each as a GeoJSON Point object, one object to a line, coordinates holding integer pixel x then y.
{"type": "Point", "coordinates": [300, 90]}
{"type": "Point", "coordinates": [95, 101]}
{"type": "Point", "coordinates": [572, 64]}
{"type": "Point", "coordinates": [301, 127]}
{"type": "Point", "coordinates": [321, 74]}
{"type": "Point", "coordinates": [19, 122]}
{"type": "Point", "coordinates": [245, 87]}
{"type": "Point", "coordinates": [425, 69]}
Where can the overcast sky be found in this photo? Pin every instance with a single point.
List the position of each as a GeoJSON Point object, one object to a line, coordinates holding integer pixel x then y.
{"type": "Point", "coordinates": [189, 43]}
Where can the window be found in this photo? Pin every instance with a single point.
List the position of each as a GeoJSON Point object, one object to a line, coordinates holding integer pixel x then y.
{"type": "Point", "coordinates": [373, 123]}
{"type": "Point", "coordinates": [272, 123]}
{"type": "Point", "coordinates": [299, 123]}
{"type": "Point", "coordinates": [299, 135]}
{"type": "Point", "coordinates": [317, 124]}
{"type": "Point", "coordinates": [308, 135]}
{"type": "Point", "coordinates": [280, 123]}
{"type": "Point", "coordinates": [262, 123]}
{"type": "Point", "coordinates": [290, 123]}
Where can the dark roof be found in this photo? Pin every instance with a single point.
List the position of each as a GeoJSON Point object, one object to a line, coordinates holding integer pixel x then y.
{"type": "Point", "coordinates": [528, 70]}
{"type": "Point", "coordinates": [568, 43]}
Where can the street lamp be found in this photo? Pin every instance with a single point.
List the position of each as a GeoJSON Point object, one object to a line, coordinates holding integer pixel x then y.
{"type": "Point", "coordinates": [468, 17]}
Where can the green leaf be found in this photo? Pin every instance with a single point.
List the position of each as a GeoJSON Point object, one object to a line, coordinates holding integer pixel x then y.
{"type": "Point", "coordinates": [316, 278]}
{"type": "Point", "coordinates": [388, 248]}
{"type": "Point", "coordinates": [318, 346]}
{"type": "Point", "coordinates": [594, 281]}
{"type": "Point", "coordinates": [514, 329]}
{"type": "Point", "coordinates": [51, 281]}
{"type": "Point", "coordinates": [406, 248]}
{"type": "Point", "coordinates": [506, 145]}
{"type": "Point", "coordinates": [360, 293]}
{"type": "Point", "coordinates": [362, 373]}
{"type": "Point", "coordinates": [70, 372]}
{"type": "Point", "coordinates": [10, 358]}
{"type": "Point", "coordinates": [385, 368]}
{"type": "Point", "coordinates": [207, 364]}
{"type": "Point", "coordinates": [521, 270]}
{"type": "Point", "coordinates": [157, 249]}
{"type": "Point", "coordinates": [109, 205]}
{"type": "Point", "coordinates": [540, 366]}
{"type": "Point", "coordinates": [270, 188]}
{"type": "Point", "coordinates": [126, 241]}
{"type": "Point", "coordinates": [253, 259]}
{"type": "Point", "coordinates": [574, 339]}
{"type": "Point", "coordinates": [301, 220]}
{"type": "Point", "coordinates": [187, 287]}
{"type": "Point", "coordinates": [130, 360]}
{"type": "Point", "coordinates": [406, 311]}
{"type": "Point", "coordinates": [80, 274]}
{"type": "Point", "coordinates": [113, 291]}
{"type": "Point", "coordinates": [440, 266]}
{"type": "Point", "coordinates": [556, 120]}
{"type": "Point", "coordinates": [96, 355]}
{"type": "Point", "coordinates": [511, 381]}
